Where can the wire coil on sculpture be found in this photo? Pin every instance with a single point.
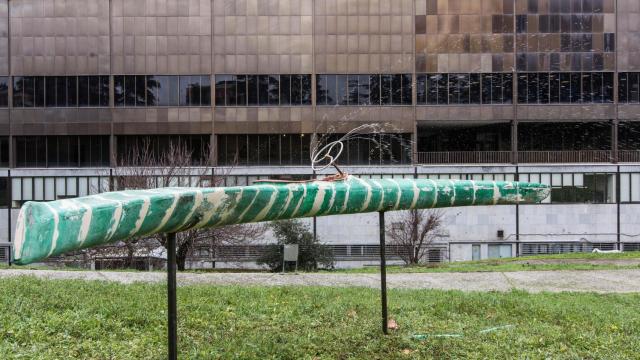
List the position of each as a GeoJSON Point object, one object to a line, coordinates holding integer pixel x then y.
{"type": "Point", "coordinates": [47, 229]}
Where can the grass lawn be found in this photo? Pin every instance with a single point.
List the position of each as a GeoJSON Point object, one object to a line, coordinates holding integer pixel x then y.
{"type": "Point", "coordinates": [48, 319]}
{"type": "Point", "coordinates": [571, 261]}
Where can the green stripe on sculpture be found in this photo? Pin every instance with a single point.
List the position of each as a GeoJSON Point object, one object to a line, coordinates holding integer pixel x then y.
{"type": "Point", "coordinates": [53, 228]}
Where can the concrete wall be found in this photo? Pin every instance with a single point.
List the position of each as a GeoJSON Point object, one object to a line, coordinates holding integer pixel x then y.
{"type": "Point", "coordinates": [593, 222]}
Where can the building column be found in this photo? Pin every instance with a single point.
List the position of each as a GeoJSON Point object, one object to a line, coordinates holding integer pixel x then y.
{"type": "Point", "coordinates": [514, 141]}
{"type": "Point", "coordinates": [615, 124]}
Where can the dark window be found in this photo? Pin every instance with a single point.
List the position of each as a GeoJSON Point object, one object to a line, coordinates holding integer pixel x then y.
{"type": "Point", "coordinates": [195, 90]}
{"type": "Point", "coordinates": [386, 86]}
{"type": "Point", "coordinates": [252, 90]}
{"type": "Point", "coordinates": [396, 89]}
{"type": "Point", "coordinates": [31, 151]}
{"type": "Point", "coordinates": [623, 87]}
{"type": "Point", "coordinates": [634, 88]}
{"type": "Point", "coordinates": [280, 149]}
{"type": "Point", "coordinates": [487, 87]}
{"type": "Point", "coordinates": [532, 88]}
{"type": "Point", "coordinates": [521, 24]}
{"type": "Point", "coordinates": [375, 89]}
{"type": "Point", "coordinates": [364, 90]}
{"type": "Point", "coordinates": [240, 84]}
{"type": "Point", "coordinates": [421, 89]}
{"type": "Point", "coordinates": [522, 88]}
{"type": "Point", "coordinates": [4, 151]}
{"type": "Point", "coordinates": [326, 90]}
{"type": "Point", "coordinates": [162, 91]}
{"type": "Point", "coordinates": [72, 91]}
{"type": "Point", "coordinates": [587, 90]}
{"type": "Point", "coordinates": [342, 90]}
{"type": "Point", "coordinates": [576, 87]}
{"type": "Point", "coordinates": [157, 145]}
{"type": "Point", "coordinates": [226, 91]}
{"type": "Point", "coordinates": [501, 88]}
{"type": "Point", "coordinates": [321, 89]}
{"type": "Point", "coordinates": [543, 88]}
{"type": "Point", "coordinates": [558, 136]}
{"type": "Point", "coordinates": [140, 91]}
{"type": "Point", "coordinates": [263, 89]}
{"type": "Point", "coordinates": [285, 88]}
{"type": "Point", "coordinates": [62, 151]}
{"type": "Point", "coordinates": [83, 91]}
{"type": "Point", "coordinates": [305, 89]}
{"type": "Point", "coordinates": [554, 88]}
{"type": "Point", "coordinates": [118, 90]}
{"type": "Point", "coordinates": [61, 91]}
{"type": "Point", "coordinates": [4, 91]}
{"type": "Point", "coordinates": [39, 91]}
{"type": "Point", "coordinates": [373, 149]}
{"type": "Point", "coordinates": [50, 91]}
{"type": "Point", "coordinates": [609, 42]}
{"type": "Point", "coordinates": [130, 91]}
{"type": "Point", "coordinates": [94, 151]}
{"type": "Point", "coordinates": [274, 90]}
{"type": "Point", "coordinates": [205, 90]}
{"type": "Point", "coordinates": [406, 90]}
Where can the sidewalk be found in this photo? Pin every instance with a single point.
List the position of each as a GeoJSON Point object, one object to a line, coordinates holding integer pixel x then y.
{"type": "Point", "coordinates": [603, 281]}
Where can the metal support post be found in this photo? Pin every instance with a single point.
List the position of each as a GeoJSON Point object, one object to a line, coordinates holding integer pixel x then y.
{"type": "Point", "coordinates": [383, 275]}
{"type": "Point", "coordinates": [172, 324]}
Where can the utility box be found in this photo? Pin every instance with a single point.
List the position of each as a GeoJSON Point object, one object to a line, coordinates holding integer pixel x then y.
{"type": "Point", "coordinates": [291, 252]}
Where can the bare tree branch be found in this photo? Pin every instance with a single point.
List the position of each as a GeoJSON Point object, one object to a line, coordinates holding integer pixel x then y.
{"type": "Point", "coordinates": [146, 167]}
{"type": "Point", "coordinates": [413, 232]}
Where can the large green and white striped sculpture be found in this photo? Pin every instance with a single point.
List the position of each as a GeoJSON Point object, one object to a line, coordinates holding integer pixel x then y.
{"type": "Point", "coordinates": [52, 228]}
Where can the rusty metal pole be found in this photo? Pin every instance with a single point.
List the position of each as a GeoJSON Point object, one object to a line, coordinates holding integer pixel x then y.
{"type": "Point", "coordinates": [383, 275]}
{"type": "Point", "coordinates": [172, 324]}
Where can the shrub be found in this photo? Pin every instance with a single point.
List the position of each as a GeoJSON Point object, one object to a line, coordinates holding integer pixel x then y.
{"type": "Point", "coordinates": [311, 256]}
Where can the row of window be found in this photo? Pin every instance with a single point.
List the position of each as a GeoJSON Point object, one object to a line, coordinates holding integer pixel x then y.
{"type": "Point", "coordinates": [141, 150]}
{"type": "Point", "coordinates": [164, 90]}
{"type": "Point", "coordinates": [59, 91]}
{"type": "Point", "coordinates": [376, 89]}
{"type": "Point", "coordinates": [269, 90]}
{"type": "Point", "coordinates": [575, 23]}
{"type": "Point", "coordinates": [280, 149]}
{"type": "Point", "coordinates": [62, 151]}
{"type": "Point", "coordinates": [446, 89]}
{"type": "Point", "coordinates": [565, 88]}
{"type": "Point", "coordinates": [372, 149]}
{"type": "Point", "coordinates": [294, 149]}
{"type": "Point", "coordinates": [291, 90]}
{"type": "Point", "coordinates": [629, 88]}
{"type": "Point", "coordinates": [585, 61]}
{"type": "Point", "coordinates": [567, 188]}
{"type": "Point", "coordinates": [566, 6]}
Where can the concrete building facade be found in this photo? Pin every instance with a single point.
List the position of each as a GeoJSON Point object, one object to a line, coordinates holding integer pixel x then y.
{"type": "Point", "coordinates": [535, 90]}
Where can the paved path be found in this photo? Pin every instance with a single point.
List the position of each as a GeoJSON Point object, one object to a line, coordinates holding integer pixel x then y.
{"type": "Point", "coordinates": [535, 281]}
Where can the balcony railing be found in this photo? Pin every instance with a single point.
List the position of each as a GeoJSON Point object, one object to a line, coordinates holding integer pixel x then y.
{"type": "Point", "coordinates": [463, 157]}
{"type": "Point", "coordinates": [579, 156]}
{"type": "Point", "coordinates": [628, 155]}
{"type": "Point", "coordinates": [524, 157]}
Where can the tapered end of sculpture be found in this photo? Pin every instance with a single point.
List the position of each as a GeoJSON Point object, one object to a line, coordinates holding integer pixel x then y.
{"type": "Point", "coordinates": [530, 193]}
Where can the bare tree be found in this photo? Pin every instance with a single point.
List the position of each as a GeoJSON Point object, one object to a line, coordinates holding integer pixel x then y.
{"type": "Point", "coordinates": [413, 232]}
{"type": "Point", "coordinates": [147, 167]}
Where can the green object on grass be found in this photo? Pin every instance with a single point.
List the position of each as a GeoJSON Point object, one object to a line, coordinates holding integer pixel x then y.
{"type": "Point", "coordinates": [52, 228]}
